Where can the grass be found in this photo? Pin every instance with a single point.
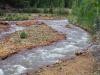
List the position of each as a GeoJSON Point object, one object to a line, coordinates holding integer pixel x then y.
{"type": "Point", "coordinates": [36, 36]}
{"type": "Point", "coordinates": [15, 16]}
{"type": "Point", "coordinates": [26, 14]}
{"type": "Point", "coordinates": [83, 24]}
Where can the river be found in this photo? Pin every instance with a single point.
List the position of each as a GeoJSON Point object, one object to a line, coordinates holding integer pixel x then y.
{"type": "Point", "coordinates": [76, 39]}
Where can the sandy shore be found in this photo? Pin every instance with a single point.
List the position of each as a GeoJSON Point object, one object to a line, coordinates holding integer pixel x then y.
{"type": "Point", "coordinates": [80, 65]}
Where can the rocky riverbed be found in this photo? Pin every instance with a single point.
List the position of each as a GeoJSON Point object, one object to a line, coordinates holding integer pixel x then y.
{"type": "Point", "coordinates": [77, 40]}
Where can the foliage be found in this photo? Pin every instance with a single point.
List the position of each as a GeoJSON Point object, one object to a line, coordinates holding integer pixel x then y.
{"type": "Point", "coordinates": [23, 35]}
{"type": "Point", "coordinates": [87, 13]}
{"type": "Point", "coordinates": [97, 24]}
{"type": "Point", "coordinates": [15, 16]}
{"type": "Point", "coordinates": [32, 6]}
{"type": "Point", "coordinates": [36, 3]}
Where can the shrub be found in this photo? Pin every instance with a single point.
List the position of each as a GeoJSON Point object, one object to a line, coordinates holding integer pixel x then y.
{"type": "Point", "coordinates": [23, 35]}
{"type": "Point", "coordinates": [87, 12]}
{"type": "Point", "coordinates": [45, 10]}
{"type": "Point", "coordinates": [51, 10]}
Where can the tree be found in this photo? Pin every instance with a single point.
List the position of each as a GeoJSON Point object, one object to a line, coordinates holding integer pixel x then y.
{"type": "Point", "coordinates": [37, 3]}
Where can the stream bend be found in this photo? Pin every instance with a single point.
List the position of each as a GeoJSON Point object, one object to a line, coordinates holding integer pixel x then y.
{"type": "Point", "coordinates": [76, 39]}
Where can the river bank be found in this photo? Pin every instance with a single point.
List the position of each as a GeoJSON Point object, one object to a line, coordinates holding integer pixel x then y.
{"type": "Point", "coordinates": [76, 40]}
{"type": "Point", "coordinates": [79, 65]}
{"type": "Point", "coordinates": [87, 63]}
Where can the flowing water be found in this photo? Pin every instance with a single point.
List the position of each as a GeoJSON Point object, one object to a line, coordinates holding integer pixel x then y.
{"type": "Point", "coordinates": [76, 39]}
{"type": "Point", "coordinates": [13, 28]}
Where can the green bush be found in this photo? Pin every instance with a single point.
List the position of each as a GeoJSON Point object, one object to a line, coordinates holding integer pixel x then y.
{"type": "Point", "coordinates": [51, 10]}
{"type": "Point", "coordinates": [1, 13]}
{"type": "Point", "coordinates": [45, 10]}
{"type": "Point", "coordinates": [87, 13]}
{"type": "Point", "coordinates": [23, 35]}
